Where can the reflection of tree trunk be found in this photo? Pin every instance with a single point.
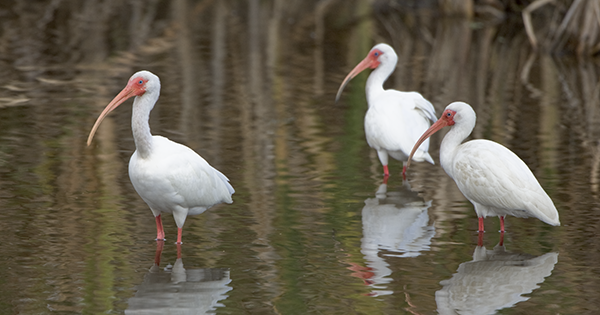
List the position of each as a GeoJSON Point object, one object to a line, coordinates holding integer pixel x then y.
{"type": "Point", "coordinates": [217, 74]}
{"type": "Point", "coordinates": [449, 63]}
{"type": "Point", "coordinates": [92, 41]}
{"type": "Point", "coordinates": [106, 224]}
{"type": "Point", "coordinates": [319, 62]}
{"type": "Point", "coordinates": [256, 131]}
{"type": "Point", "coordinates": [549, 117]}
{"type": "Point", "coordinates": [189, 72]}
{"type": "Point", "coordinates": [142, 17]}
{"type": "Point", "coordinates": [457, 7]}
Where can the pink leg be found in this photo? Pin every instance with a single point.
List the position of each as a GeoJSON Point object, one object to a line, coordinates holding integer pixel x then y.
{"type": "Point", "coordinates": [178, 251]}
{"type": "Point", "coordinates": [481, 227]}
{"type": "Point", "coordinates": [480, 239]}
{"type": "Point", "coordinates": [159, 249]}
{"type": "Point", "coordinates": [404, 172]}
{"type": "Point", "coordinates": [386, 172]}
{"type": "Point", "coordinates": [160, 233]}
{"type": "Point", "coordinates": [179, 232]}
{"type": "Point", "coordinates": [502, 224]}
{"type": "Point", "coordinates": [501, 243]}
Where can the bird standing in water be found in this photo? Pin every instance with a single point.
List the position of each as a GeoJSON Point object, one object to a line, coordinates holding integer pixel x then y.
{"type": "Point", "coordinates": [169, 176]}
{"type": "Point", "coordinates": [494, 179]}
{"type": "Point", "coordinates": [394, 119]}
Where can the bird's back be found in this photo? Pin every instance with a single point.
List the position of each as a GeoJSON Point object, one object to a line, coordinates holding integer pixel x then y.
{"type": "Point", "coordinates": [492, 176]}
{"type": "Point", "coordinates": [175, 175]}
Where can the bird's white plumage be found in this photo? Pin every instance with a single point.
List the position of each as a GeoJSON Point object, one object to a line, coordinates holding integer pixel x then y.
{"type": "Point", "coordinates": [499, 183]}
{"type": "Point", "coordinates": [177, 180]}
{"type": "Point", "coordinates": [169, 176]}
{"type": "Point", "coordinates": [394, 120]}
{"type": "Point", "coordinates": [492, 177]}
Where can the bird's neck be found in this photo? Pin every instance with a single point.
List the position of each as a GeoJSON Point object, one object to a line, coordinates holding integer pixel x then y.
{"type": "Point", "coordinates": [376, 79]}
{"type": "Point", "coordinates": [449, 147]}
{"type": "Point", "coordinates": [142, 105]}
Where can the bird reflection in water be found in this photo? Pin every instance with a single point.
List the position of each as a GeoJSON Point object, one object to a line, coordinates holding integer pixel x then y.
{"type": "Point", "coordinates": [493, 280]}
{"type": "Point", "coordinates": [396, 223]}
{"type": "Point", "coordinates": [176, 290]}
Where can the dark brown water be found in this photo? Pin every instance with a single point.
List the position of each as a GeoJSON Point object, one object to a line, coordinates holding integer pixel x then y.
{"type": "Point", "coordinates": [251, 87]}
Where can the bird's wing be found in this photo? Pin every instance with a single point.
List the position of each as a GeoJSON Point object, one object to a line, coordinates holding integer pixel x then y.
{"type": "Point", "coordinates": [178, 175]}
{"type": "Point", "coordinates": [423, 105]}
{"type": "Point", "coordinates": [225, 180]}
{"type": "Point", "coordinates": [396, 120]}
{"type": "Point", "coordinates": [489, 174]}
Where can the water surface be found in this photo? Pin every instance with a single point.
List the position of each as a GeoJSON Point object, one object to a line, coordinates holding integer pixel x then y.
{"type": "Point", "coordinates": [312, 230]}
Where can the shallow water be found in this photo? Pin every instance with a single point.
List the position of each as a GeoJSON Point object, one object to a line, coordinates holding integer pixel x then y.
{"type": "Point", "coordinates": [251, 87]}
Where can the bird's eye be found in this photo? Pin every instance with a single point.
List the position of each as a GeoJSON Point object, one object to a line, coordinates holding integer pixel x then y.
{"type": "Point", "coordinates": [376, 54]}
{"type": "Point", "coordinates": [141, 82]}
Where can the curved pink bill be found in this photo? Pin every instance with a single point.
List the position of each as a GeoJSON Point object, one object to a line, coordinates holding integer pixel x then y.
{"type": "Point", "coordinates": [125, 94]}
{"type": "Point", "coordinates": [364, 64]}
{"type": "Point", "coordinates": [441, 123]}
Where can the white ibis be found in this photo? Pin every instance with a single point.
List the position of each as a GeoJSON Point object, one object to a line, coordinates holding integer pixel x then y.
{"type": "Point", "coordinates": [492, 177]}
{"type": "Point", "coordinates": [169, 176]}
{"type": "Point", "coordinates": [394, 119]}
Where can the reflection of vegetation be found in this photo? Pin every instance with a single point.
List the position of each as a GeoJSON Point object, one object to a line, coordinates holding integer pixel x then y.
{"type": "Point", "coordinates": [256, 89]}
{"type": "Point", "coordinates": [562, 25]}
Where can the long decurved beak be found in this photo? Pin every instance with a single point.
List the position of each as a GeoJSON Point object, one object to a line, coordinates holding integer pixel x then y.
{"type": "Point", "coordinates": [441, 123]}
{"type": "Point", "coordinates": [364, 64]}
{"type": "Point", "coordinates": [124, 95]}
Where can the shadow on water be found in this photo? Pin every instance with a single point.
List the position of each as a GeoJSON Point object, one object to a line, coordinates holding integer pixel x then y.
{"type": "Point", "coordinates": [250, 85]}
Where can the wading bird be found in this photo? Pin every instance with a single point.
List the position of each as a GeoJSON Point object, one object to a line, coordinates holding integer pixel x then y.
{"type": "Point", "coordinates": [394, 119]}
{"type": "Point", "coordinates": [492, 177]}
{"type": "Point", "coordinates": [169, 176]}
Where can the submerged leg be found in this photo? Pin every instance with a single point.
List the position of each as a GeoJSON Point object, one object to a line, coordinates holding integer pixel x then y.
{"type": "Point", "coordinates": [481, 227]}
{"type": "Point", "coordinates": [160, 233]}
